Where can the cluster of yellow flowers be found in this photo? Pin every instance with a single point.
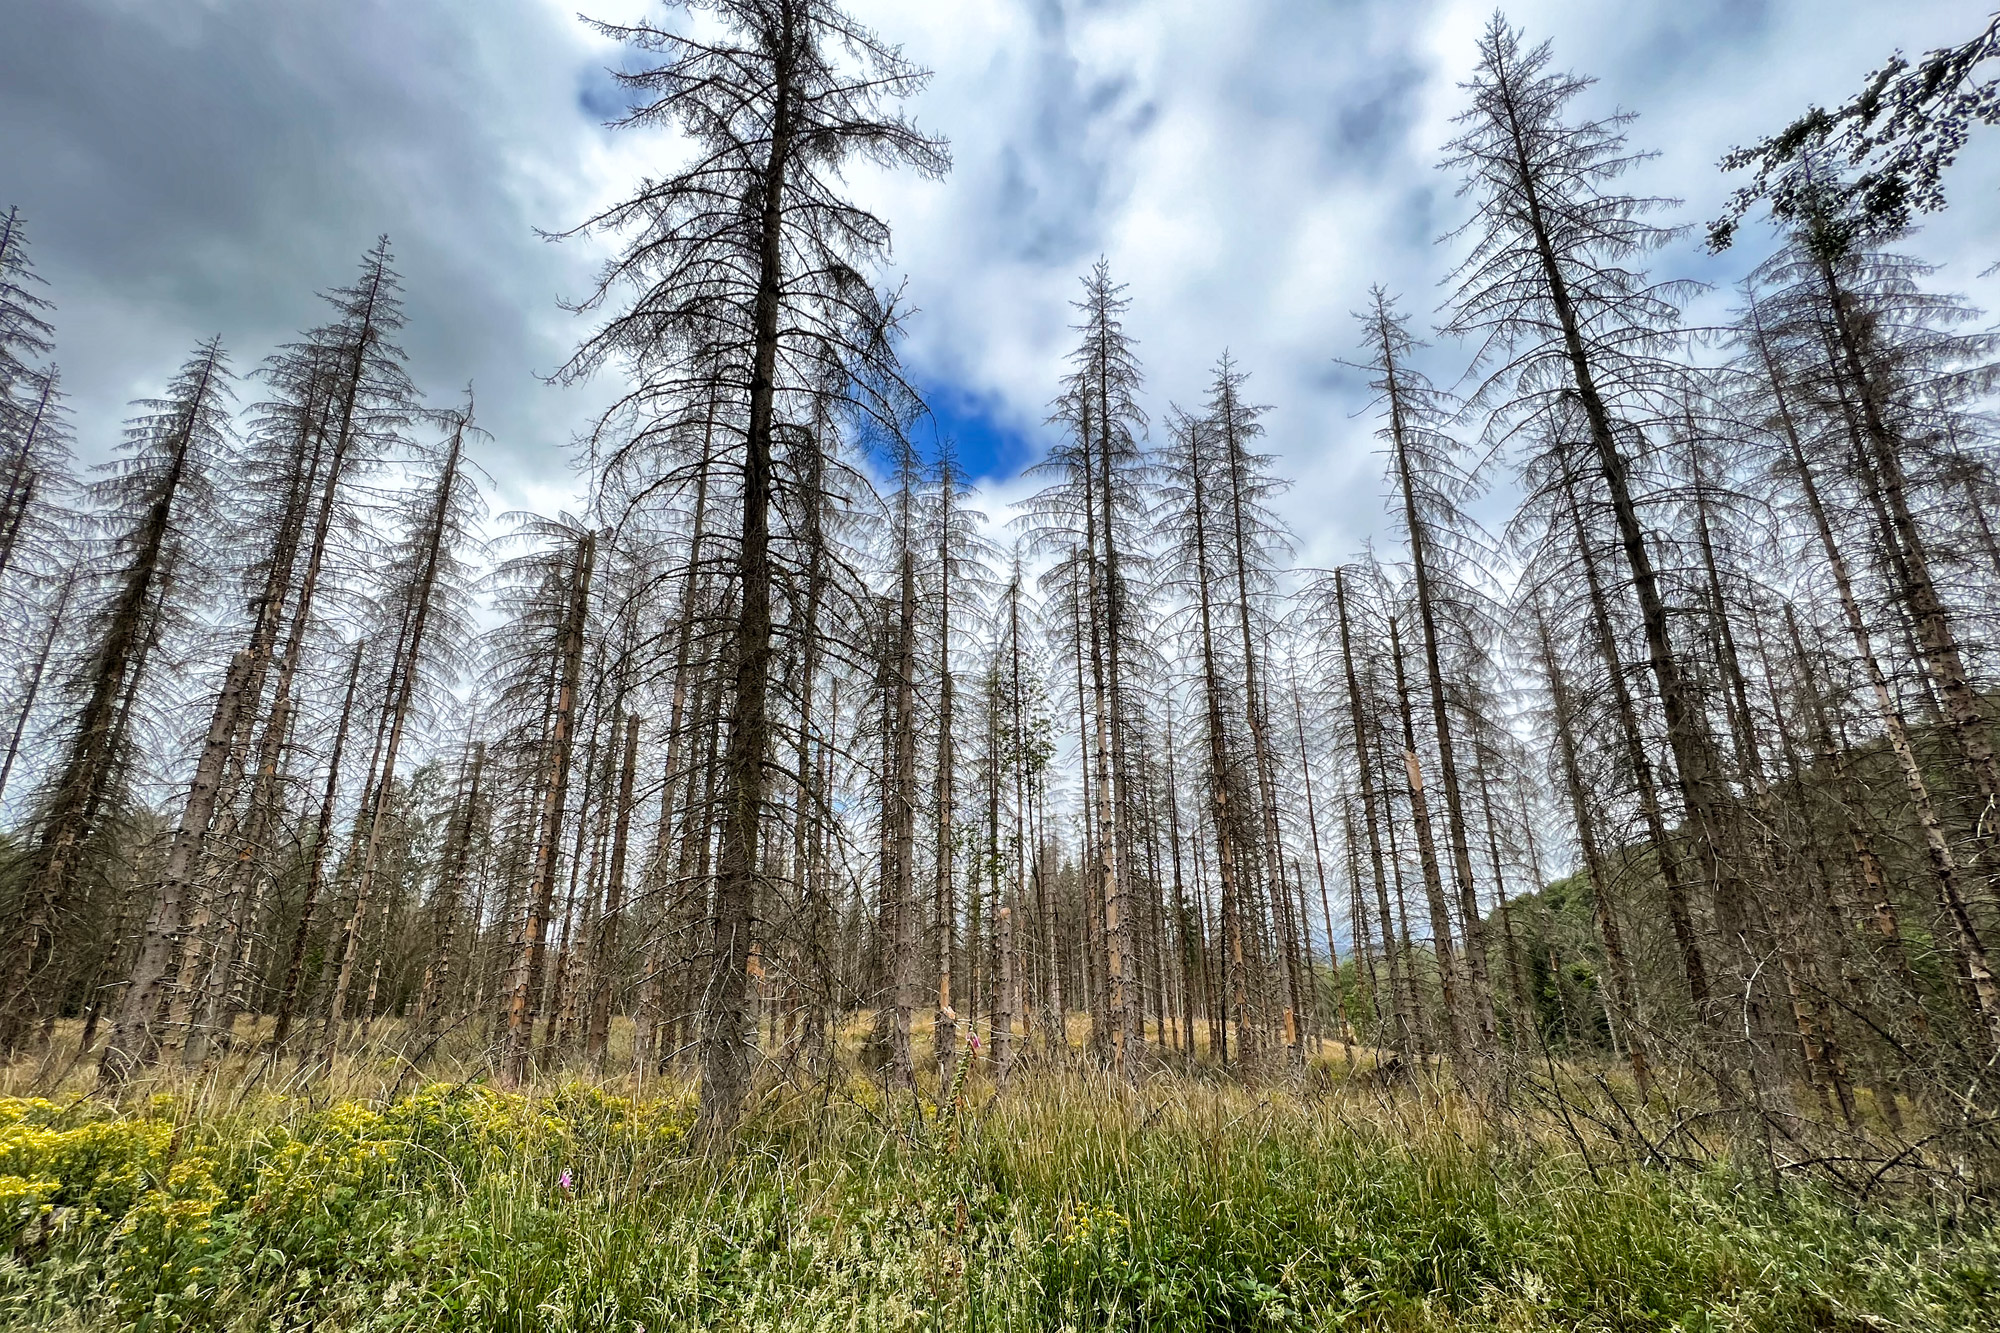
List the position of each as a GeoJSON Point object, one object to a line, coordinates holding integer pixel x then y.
{"type": "Point", "coordinates": [132, 1173]}
{"type": "Point", "coordinates": [98, 1164]}
{"type": "Point", "coordinates": [25, 1146]}
{"type": "Point", "coordinates": [1093, 1225]}
{"type": "Point", "coordinates": [154, 1180]}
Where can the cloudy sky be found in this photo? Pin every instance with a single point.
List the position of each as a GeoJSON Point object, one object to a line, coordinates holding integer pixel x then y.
{"type": "Point", "coordinates": [1248, 168]}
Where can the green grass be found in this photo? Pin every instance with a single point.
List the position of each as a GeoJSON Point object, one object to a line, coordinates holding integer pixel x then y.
{"type": "Point", "coordinates": [1067, 1204]}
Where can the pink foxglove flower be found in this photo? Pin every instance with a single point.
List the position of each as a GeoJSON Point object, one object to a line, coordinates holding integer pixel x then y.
{"type": "Point", "coordinates": [565, 1181]}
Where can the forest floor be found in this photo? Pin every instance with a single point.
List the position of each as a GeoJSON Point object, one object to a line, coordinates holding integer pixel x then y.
{"type": "Point", "coordinates": [387, 1198]}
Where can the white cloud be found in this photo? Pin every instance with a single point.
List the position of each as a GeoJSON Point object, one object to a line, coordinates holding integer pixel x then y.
{"type": "Point", "coordinates": [1249, 169]}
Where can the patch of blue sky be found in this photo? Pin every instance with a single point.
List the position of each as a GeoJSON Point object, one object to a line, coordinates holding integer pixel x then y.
{"type": "Point", "coordinates": [989, 446]}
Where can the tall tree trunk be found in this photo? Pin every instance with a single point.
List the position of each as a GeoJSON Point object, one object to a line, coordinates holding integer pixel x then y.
{"type": "Point", "coordinates": [1479, 990]}
{"type": "Point", "coordinates": [1694, 970]}
{"type": "Point", "coordinates": [905, 958]}
{"type": "Point", "coordinates": [604, 941]}
{"type": "Point", "coordinates": [532, 953]}
{"type": "Point", "coordinates": [1192, 954]}
{"type": "Point", "coordinates": [1093, 623]}
{"type": "Point", "coordinates": [451, 893]}
{"type": "Point", "coordinates": [1973, 961]}
{"type": "Point", "coordinates": [403, 676]}
{"type": "Point", "coordinates": [1442, 942]}
{"type": "Point", "coordinates": [727, 1030]}
{"type": "Point", "coordinates": [90, 756]}
{"type": "Point", "coordinates": [1710, 813]}
{"type": "Point", "coordinates": [316, 868]}
{"type": "Point", "coordinates": [945, 1030]}
{"type": "Point", "coordinates": [1618, 963]}
{"type": "Point", "coordinates": [652, 1014]}
{"type": "Point", "coordinates": [1918, 591]}
{"type": "Point", "coordinates": [219, 766]}
{"type": "Point", "coordinates": [1224, 817]}
{"type": "Point", "coordinates": [1129, 1032]}
{"type": "Point", "coordinates": [559, 992]}
{"type": "Point", "coordinates": [1364, 766]}
{"type": "Point", "coordinates": [1319, 870]}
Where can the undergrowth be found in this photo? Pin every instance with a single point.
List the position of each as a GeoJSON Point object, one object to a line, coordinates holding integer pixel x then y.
{"type": "Point", "coordinates": [1067, 1204]}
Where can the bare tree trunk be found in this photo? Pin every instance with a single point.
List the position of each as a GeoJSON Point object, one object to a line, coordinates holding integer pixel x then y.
{"type": "Point", "coordinates": [1523, 1007]}
{"type": "Point", "coordinates": [1364, 947]}
{"type": "Point", "coordinates": [220, 765]}
{"type": "Point", "coordinates": [592, 830]}
{"type": "Point", "coordinates": [905, 959]}
{"type": "Point", "coordinates": [332, 418]}
{"type": "Point", "coordinates": [1192, 951]}
{"type": "Point", "coordinates": [1710, 813]}
{"type": "Point", "coordinates": [1945, 872]}
{"type": "Point", "coordinates": [1478, 986]}
{"type": "Point", "coordinates": [809, 835]}
{"type": "Point", "coordinates": [403, 676]}
{"type": "Point", "coordinates": [726, 1019]}
{"type": "Point", "coordinates": [1126, 1000]}
{"type": "Point", "coordinates": [1234, 981]}
{"type": "Point", "coordinates": [316, 870]}
{"type": "Point", "coordinates": [653, 981]}
{"type": "Point", "coordinates": [1116, 943]}
{"type": "Point", "coordinates": [541, 889]}
{"type": "Point", "coordinates": [1406, 1017]}
{"type": "Point", "coordinates": [451, 892]}
{"type": "Point", "coordinates": [945, 1031]}
{"type": "Point", "coordinates": [604, 942]}
{"type": "Point", "coordinates": [1623, 984]}
{"type": "Point", "coordinates": [1052, 995]}
{"type": "Point", "coordinates": [1442, 942]}
{"type": "Point", "coordinates": [89, 760]}
{"type": "Point", "coordinates": [1918, 591]}
{"type": "Point", "coordinates": [1319, 870]}
{"type": "Point", "coordinates": [1693, 969]}
{"type": "Point", "coordinates": [1420, 1025]}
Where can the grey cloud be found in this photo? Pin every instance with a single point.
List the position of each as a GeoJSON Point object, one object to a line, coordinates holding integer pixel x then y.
{"type": "Point", "coordinates": [1059, 171]}
{"type": "Point", "coordinates": [193, 168]}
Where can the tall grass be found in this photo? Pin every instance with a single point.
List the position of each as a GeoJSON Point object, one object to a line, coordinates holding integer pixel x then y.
{"type": "Point", "coordinates": [1068, 1203]}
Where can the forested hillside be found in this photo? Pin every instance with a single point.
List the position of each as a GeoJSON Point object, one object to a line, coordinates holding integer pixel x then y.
{"type": "Point", "coordinates": [1639, 790]}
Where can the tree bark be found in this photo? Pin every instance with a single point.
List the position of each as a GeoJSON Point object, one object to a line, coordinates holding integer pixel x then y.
{"type": "Point", "coordinates": [533, 948]}
{"type": "Point", "coordinates": [88, 762]}
{"type": "Point", "coordinates": [727, 1030]}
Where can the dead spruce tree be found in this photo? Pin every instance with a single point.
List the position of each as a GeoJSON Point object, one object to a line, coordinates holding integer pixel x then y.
{"type": "Point", "coordinates": [959, 562]}
{"type": "Point", "coordinates": [25, 334]}
{"type": "Point", "coordinates": [1428, 492]}
{"type": "Point", "coordinates": [155, 506]}
{"type": "Point", "coordinates": [38, 559]}
{"type": "Point", "coordinates": [1560, 314]}
{"type": "Point", "coordinates": [1091, 509]}
{"type": "Point", "coordinates": [1247, 543]}
{"type": "Point", "coordinates": [747, 269]}
{"type": "Point", "coordinates": [425, 596]}
{"type": "Point", "coordinates": [1857, 374]}
{"type": "Point", "coordinates": [340, 400]}
{"type": "Point", "coordinates": [538, 653]}
{"type": "Point", "coordinates": [1198, 563]}
{"type": "Point", "coordinates": [34, 453]}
